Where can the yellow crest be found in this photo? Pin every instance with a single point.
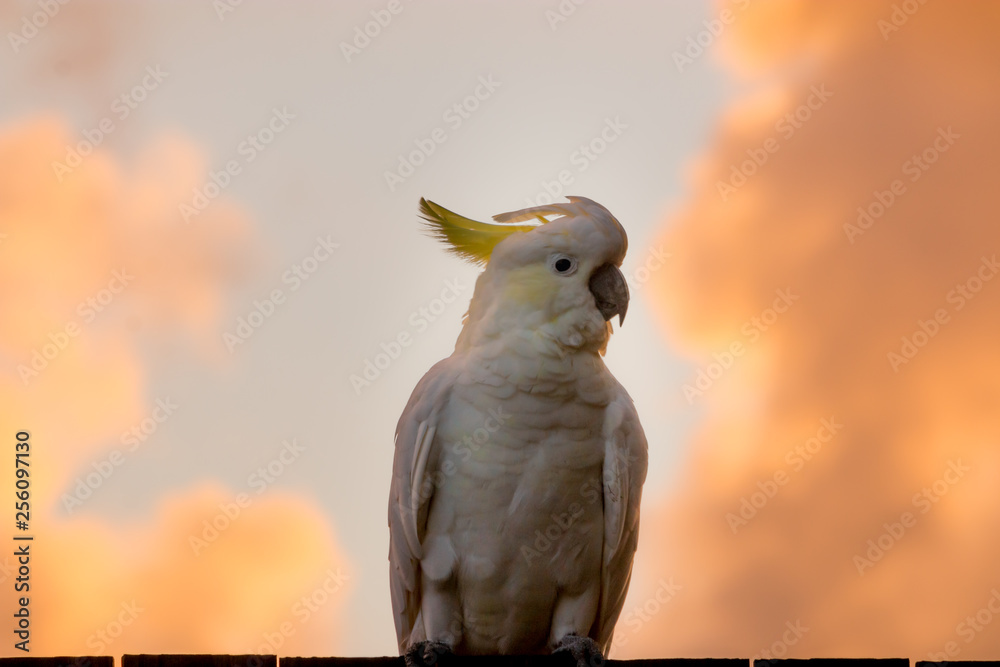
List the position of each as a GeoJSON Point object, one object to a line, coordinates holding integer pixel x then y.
{"type": "Point", "coordinates": [474, 240]}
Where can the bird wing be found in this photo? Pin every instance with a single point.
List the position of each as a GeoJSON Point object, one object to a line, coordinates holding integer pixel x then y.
{"type": "Point", "coordinates": [624, 473]}
{"type": "Point", "coordinates": [411, 492]}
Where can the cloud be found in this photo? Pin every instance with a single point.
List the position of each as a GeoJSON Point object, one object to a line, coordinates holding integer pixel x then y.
{"type": "Point", "coordinates": [856, 174]}
{"type": "Point", "coordinates": [270, 580]}
{"type": "Point", "coordinates": [99, 274]}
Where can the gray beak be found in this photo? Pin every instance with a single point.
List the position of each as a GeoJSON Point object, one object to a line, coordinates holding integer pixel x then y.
{"type": "Point", "coordinates": [610, 291]}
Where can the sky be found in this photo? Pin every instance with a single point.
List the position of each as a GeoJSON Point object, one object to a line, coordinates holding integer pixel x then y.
{"type": "Point", "coordinates": [217, 300]}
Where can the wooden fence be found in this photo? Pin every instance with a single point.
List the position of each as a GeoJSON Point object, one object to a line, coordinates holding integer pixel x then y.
{"type": "Point", "coordinates": [563, 660]}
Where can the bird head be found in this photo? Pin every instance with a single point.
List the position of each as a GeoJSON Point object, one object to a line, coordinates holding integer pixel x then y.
{"type": "Point", "coordinates": [559, 278]}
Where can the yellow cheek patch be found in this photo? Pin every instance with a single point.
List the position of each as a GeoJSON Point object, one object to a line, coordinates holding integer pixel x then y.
{"type": "Point", "coordinates": [530, 285]}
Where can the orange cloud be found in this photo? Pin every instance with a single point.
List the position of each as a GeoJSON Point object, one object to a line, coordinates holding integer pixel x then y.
{"type": "Point", "coordinates": [270, 581]}
{"type": "Point", "coordinates": [97, 267]}
{"type": "Point", "coordinates": [840, 497]}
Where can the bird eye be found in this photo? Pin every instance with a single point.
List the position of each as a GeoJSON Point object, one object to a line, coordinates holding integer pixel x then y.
{"type": "Point", "coordinates": [564, 265]}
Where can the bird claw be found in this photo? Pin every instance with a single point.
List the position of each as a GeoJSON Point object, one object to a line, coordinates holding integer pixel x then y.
{"type": "Point", "coordinates": [584, 650]}
{"type": "Point", "coordinates": [425, 653]}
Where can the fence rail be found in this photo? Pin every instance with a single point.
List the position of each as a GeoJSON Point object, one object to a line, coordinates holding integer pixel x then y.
{"type": "Point", "coordinates": [254, 660]}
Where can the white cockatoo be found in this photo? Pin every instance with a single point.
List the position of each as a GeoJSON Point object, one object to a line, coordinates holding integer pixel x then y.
{"type": "Point", "coordinates": [519, 462]}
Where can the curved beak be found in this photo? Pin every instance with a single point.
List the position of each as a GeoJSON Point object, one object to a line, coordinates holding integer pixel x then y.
{"type": "Point", "coordinates": [610, 291]}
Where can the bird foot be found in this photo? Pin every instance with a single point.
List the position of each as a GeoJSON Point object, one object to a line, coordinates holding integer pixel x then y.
{"type": "Point", "coordinates": [425, 653]}
{"type": "Point", "coordinates": [584, 650]}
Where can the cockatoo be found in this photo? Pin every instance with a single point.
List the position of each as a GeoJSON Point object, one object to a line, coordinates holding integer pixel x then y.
{"type": "Point", "coordinates": [519, 460]}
